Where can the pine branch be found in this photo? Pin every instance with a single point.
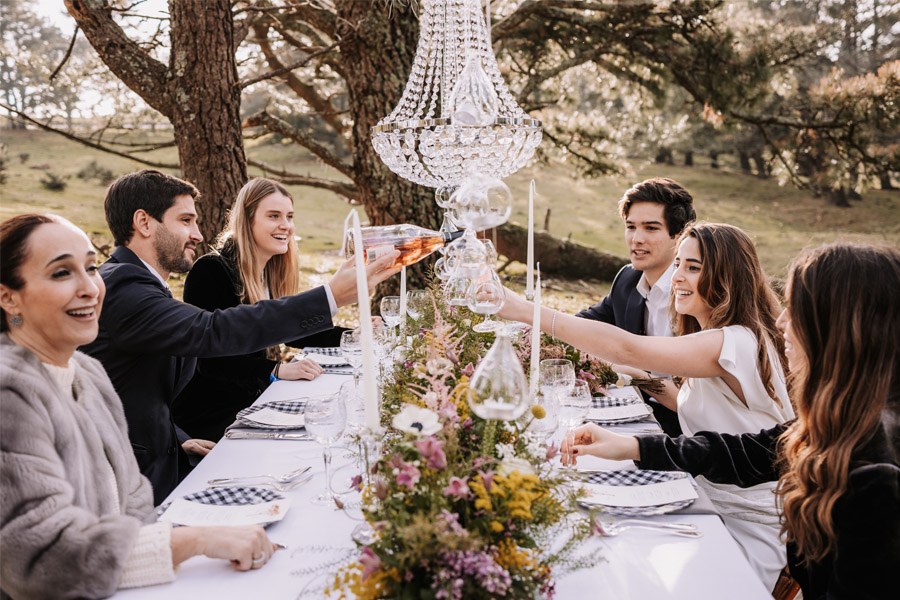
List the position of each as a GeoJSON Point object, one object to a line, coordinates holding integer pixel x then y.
{"type": "Point", "coordinates": [347, 190]}
{"type": "Point", "coordinates": [85, 142]}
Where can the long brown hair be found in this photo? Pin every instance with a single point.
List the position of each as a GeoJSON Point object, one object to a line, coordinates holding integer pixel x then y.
{"type": "Point", "coordinates": [732, 283]}
{"type": "Point", "coordinates": [14, 235]}
{"type": "Point", "coordinates": [842, 303]}
{"type": "Point", "coordinates": [282, 271]}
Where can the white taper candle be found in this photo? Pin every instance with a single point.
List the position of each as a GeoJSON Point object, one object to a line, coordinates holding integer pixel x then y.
{"type": "Point", "coordinates": [369, 388]}
{"type": "Point", "coordinates": [529, 259]}
{"type": "Point", "coordinates": [536, 336]}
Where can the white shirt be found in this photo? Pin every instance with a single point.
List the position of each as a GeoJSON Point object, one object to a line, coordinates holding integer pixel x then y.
{"type": "Point", "coordinates": [656, 317]}
{"type": "Point", "coordinates": [155, 272]}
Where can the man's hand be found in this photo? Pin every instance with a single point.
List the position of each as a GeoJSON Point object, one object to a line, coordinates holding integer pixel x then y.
{"type": "Point", "coordinates": [343, 284]}
{"type": "Point", "coordinates": [198, 447]}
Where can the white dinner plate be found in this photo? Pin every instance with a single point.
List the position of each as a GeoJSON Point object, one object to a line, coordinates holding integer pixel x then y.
{"type": "Point", "coordinates": [636, 478]}
{"type": "Point", "coordinates": [289, 407]}
{"type": "Point", "coordinates": [237, 505]}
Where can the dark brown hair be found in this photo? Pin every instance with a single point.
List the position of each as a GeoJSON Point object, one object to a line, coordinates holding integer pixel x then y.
{"type": "Point", "coordinates": [149, 190]}
{"type": "Point", "coordinates": [842, 304]}
{"type": "Point", "coordinates": [732, 283]}
{"type": "Point", "coordinates": [14, 234]}
{"type": "Point", "coordinates": [677, 202]}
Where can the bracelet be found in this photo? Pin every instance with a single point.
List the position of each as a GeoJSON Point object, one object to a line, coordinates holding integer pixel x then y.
{"type": "Point", "coordinates": [553, 324]}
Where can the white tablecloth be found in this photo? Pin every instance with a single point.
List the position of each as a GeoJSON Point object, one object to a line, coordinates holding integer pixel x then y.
{"type": "Point", "coordinates": [636, 564]}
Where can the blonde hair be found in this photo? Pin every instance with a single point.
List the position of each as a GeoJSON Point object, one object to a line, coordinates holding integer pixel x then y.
{"type": "Point", "coordinates": [842, 302]}
{"type": "Point", "coordinates": [732, 283]}
{"type": "Point", "coordinates": [282, 272]}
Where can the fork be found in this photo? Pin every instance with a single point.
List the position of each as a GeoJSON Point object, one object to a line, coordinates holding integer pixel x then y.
{"type": "Point", "coordinates": [278, 479]}
{"type": "Point", "coordinates": [608, 529]}
{"type": "Point", "coordinates": [279, 487]}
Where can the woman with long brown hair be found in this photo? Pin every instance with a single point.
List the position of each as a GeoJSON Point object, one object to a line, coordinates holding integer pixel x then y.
{"type": "Point", "coordinates": [256, 259]}
{"type": "Point", "coordinates": [729, 352]}
{"type": "Point", "coordinates": [838, 464]}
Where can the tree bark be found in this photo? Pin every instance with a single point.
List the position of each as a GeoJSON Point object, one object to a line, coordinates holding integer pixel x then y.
{"type": "Point", "coordinates": [744, 160]}
{"type": "Point", "coordinates": [559, 257]}
{"type": "Point", "coordinates": [689, 158]}
{"type": "Point", "coordinates": [379, 57]}
{"type": "Point", "coordinates": [197, 92]}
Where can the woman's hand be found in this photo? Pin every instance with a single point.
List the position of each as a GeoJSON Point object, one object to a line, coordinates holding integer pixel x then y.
{"type": "Point", "coordinates": [515, 307]}
{"type": "Point", "coordinates": [198, 447]}
{"type": "Point", "coordinates": [343, 284]}
{"type": "Point", "coordinates": [247, 547]}
{"type": "Point", "coordinates": [596, 441]}
{"type": "Point", "coordinates": [305, 368]}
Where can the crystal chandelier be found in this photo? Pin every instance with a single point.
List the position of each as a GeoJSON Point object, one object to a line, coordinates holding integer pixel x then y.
{"type": "Point", "coordinates": [456, 116]}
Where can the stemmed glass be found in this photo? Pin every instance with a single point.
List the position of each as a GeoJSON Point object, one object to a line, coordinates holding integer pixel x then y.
{"type": "Point", "coordinates": [326, 419]}
{"type": "Point", "coordinates": [574, 408]}
{"type": "Point", "coordinates": [544, 428]}
{"type": "Point", "coordinates": [417, 302]}
{"type": "Point", "coordinates": [557, 377]}
{"type": "Point", "coordinates": [485, 297]}
{"type": "Point", "coordinates": [351, 349]}
{"type": "Point", "coordinates": [390, 311]}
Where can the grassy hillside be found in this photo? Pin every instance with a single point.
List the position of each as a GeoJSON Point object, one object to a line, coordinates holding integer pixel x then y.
{"type": "Point", "coordinates": [782, 220]}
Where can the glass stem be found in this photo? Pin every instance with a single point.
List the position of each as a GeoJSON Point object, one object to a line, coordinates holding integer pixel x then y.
{"type": "Point", "coordinates": [326, 456]}
{"type": "Point", "coordinates": [356, 374]}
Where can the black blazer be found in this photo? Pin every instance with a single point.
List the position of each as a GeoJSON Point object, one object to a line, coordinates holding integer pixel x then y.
{"type": "Point", "coordinates": [866, 557]}
{"type": "Point", "coordinates": [224, 385]}
{"type": "Point", "coordinates": [623, 306]}
{"type": "Point", "coordinates": [148, 342]}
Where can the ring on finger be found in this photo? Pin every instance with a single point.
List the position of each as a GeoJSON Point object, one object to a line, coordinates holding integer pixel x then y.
{"type": "Point", "coordinates": [258, 560]}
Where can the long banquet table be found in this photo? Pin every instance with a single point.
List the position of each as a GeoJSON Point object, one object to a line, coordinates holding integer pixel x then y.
{"type": "Point", "coordinates": [636, 564]}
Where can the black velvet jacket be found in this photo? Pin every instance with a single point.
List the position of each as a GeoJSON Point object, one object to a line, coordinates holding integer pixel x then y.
{"type": "Point", "coordinates": [865, 563]}
{"type": "Point", "coordinates": [222, 386]}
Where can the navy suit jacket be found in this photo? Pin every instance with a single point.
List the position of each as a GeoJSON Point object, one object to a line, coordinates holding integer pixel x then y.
{"type": "Point", "coordinates": [148, 344]}
{"type": "Point", "coordinates": [623, 306]}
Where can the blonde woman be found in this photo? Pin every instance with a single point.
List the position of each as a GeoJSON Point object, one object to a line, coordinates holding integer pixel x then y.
{"type": "Point", "coordinates": [256, 259]}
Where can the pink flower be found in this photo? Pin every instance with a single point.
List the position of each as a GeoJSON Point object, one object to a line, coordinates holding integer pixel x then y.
{"type": "Point", "coordinates": [585, 375]}
{"type": "Point", "coordinates": [381, 488]}
{"type": "Point", "coordinates": [487, 477]}
{"type": "Point", "coordinates": [370, 562]}
{"type": "Point", "coordinates": [468, 370]}
{"type": "Point", "coordinates": [552, 451]}
{"type": "Point", "coordinates": [356, 483]}
{"type": "Point", "coordinates": [408, 476]}
{"type": "Point", "coordinates": [432, 450]}
{"type": "Point", "coordinates": [458, 488]}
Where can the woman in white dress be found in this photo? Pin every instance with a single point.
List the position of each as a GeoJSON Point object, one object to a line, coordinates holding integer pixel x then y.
{"type": "Point", "coordinates": [731, 355]}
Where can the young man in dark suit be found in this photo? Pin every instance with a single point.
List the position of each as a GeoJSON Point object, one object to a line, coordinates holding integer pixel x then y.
{"type": "Point", "coordinates": [655, 212]}
{"type": "Point", "coordinates": [149, 342]}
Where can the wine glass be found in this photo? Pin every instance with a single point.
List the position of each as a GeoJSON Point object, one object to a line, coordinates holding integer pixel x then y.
{"type": "Point", "coordinates": [351, 350]}
{"type": "Point", "coordinates": [574, 408]}
{"type": "Point", "coordinates": [557, 377]}
{"type": "Point", "coordinates": [326, 419]}
{"type": "Point", "coordinates": [542, 429]}
{"type": "Point", "coordinates": [485, 297]}
{"type": "Point", "coordinates": [417, 302]}
{"type": "Point", "coordinates": [390, 311]}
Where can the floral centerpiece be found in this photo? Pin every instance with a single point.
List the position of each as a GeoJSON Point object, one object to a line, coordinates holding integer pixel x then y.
{"type": "Point", "coordinates": [463, 507]}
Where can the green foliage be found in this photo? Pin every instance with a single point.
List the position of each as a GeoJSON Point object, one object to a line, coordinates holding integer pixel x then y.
{"type": "Point", "coordinates": [54, 182]}
{"type": "Point", "coordinates": [95, 171]}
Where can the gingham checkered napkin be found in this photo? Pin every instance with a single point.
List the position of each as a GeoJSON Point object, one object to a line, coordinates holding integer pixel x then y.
{"type": "Point", "coordinates": [234, 496]}
{"type": "Point", "coordinates": [293, 407]}
{"type": "Point", "coordinates": [605, 401]}
{"type": "Point", "coordinates": [331, 351]}
{"type": "Point", "coordinates": [637, 477]}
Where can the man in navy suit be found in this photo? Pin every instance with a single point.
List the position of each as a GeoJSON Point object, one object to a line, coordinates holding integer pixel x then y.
{"type": "Point", "coordinates": [148, 341]}
{"type": "Point", "coordinates": [655, 212]}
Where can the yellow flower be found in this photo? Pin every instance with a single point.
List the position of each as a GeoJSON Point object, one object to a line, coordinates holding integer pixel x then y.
{"type": "Point", "coordinates": [497, 526]}
{"type": "Point", "coordinates": [538, 411]}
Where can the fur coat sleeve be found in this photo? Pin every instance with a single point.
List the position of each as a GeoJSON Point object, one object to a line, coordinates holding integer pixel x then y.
{"type": "Point", "coordinates": [62, 532]}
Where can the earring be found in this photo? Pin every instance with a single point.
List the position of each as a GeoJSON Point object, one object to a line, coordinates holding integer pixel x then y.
{"type": "Point", "coordinates": [16, 320]}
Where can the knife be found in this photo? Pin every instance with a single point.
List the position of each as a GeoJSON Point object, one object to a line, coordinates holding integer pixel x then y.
{"type": "Point", "coordinates": [265, 435]}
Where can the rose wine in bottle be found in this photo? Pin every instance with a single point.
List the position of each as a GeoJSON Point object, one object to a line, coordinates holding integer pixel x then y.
{"type": "Point", "coordinates": [413, 242]}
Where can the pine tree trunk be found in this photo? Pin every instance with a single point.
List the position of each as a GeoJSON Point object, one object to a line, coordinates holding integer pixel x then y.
{"type": "Point", "coordinates": [381, 54]}
{"type": "Point", "coordinates": [207, 117]}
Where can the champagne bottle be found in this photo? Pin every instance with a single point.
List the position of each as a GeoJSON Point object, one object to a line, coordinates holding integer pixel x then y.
{"type": "Point", "coordinates": [413, 242]}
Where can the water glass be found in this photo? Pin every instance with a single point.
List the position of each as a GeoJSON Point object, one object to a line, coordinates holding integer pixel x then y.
{"type": "Point", "coordinates": [557, 377]}
{"type": "Point", "coordinates": [326, 419]}
{"type": "Point", "coordinates": [390, 310]}
{"type": "Point", "coordinates": [417, 302]}
{"type": "Point", "coordinates": [351, 350]}
{"type": "Point", "coordinates": [575, 405]}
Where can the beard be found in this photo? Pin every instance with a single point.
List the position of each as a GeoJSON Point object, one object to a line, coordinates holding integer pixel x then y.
{"type": "Point", "coordinates": [171, 252]}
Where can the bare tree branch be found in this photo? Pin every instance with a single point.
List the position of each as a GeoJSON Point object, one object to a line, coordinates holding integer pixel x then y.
{"type": "Point", "coordinates": [88, 143]}
{"type": "Point", "coordinates": [65, 58]}
{"type": "Point", "coordinates": [137, 69]}
{"type": "Point", "coordinates": [288, 68]}
{"type": "Point", "coordinates": [347, 190]}
{"type": "Point", "coordinates": [276, 125]}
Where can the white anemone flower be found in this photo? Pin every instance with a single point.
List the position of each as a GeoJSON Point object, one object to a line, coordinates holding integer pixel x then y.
{"type": "Point", "coordinates": [513, 463]}
{"type": "Point", "coordinates": [416, 420]}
